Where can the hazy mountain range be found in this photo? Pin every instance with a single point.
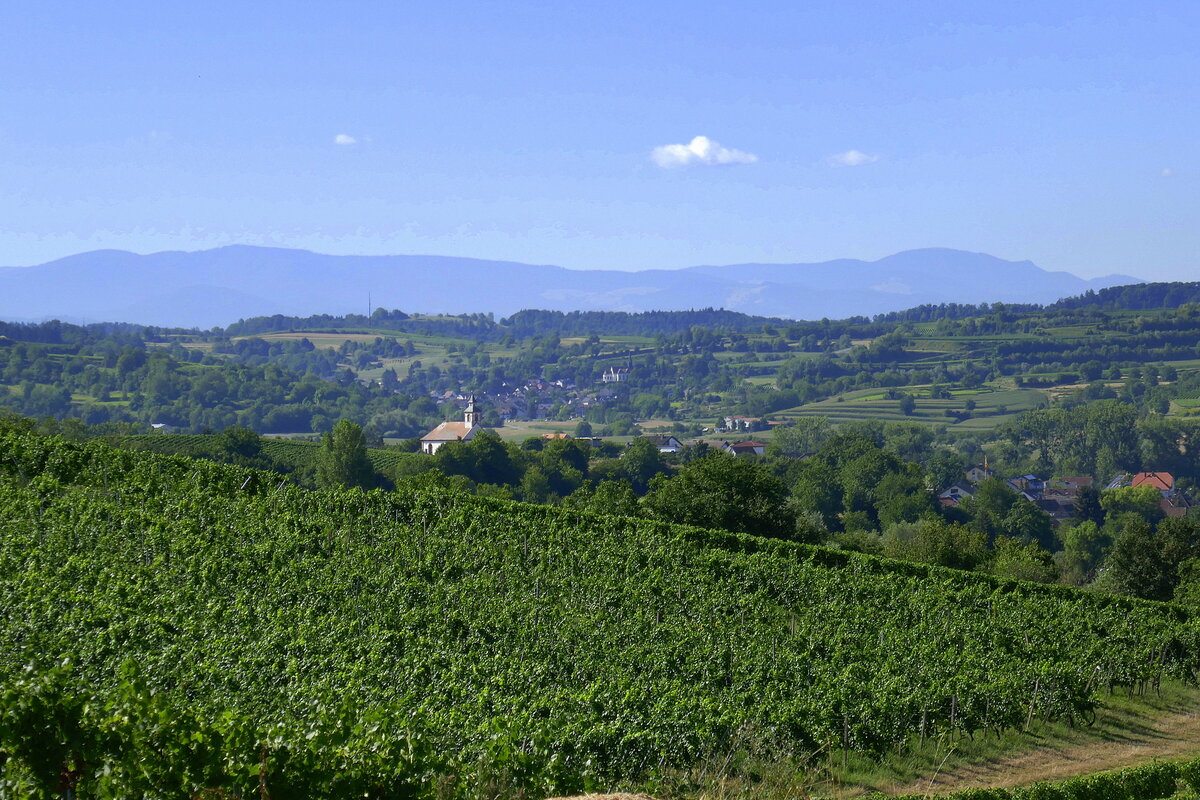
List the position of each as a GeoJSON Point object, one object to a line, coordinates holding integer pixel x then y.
{"type": "Point", "coordinates": [216, 287]}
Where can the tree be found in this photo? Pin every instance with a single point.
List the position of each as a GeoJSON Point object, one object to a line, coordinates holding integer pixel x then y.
{"type": "Point", "coordinates": [990, 506]}
{"type": "Point", "coordinates": [1027, 524]}
{"type": "Point", "coordinates": [901, 497]}
{"type": "Point", "coordinates": [934, 541]}
{"type": "Point", "coordinates": [945, 468]}
{"type": "Point", "coordinates": [343, 459]}
{"type": "Point", "coordinates": [609, 497]}
{"type": "Point", "coordinates": [1188, 591]}
{"type": "Point", "coordinates": [862, 478]}
{"type": "Point", "coordinates": [535, 488]}
{"type": "Point", "coordinates": [1024, 561]}
{"type": "Point", "coordinates": [722, 491]}
{"type": "Point", "coordinates": [1136, 566]}
{"type": "Point", "coordinates": [803, 437]}
{"type": "Point", "coordinates": [1087, 506]}
{"type": "Point", "coordinates": [908, 406]}
{"type": "Point", "coordinates": [813, 491]}
{"type": "Point", "coordinates": [483, 459]}
{"type": "Point", "coordinates": [909, 440]}
{"type": "Point", "coordinates": [1143, 500]}
{"type": "Point", "coordinates": [1084, 544]}
{"type": "Point", "coordinates": [240, 446]}
{"type": "Point", "coordinates": [640, 462]}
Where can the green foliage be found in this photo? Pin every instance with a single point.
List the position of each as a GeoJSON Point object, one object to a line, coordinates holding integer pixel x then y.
{"type": "Point", "coordinates": [1084, 545]}
{"type": "Point", "coordinates": [1022, 560]}
{"type": "Point", "coordinates": [1143, 500]}
{"type": "Point", "coordinates": [1136, 565]}
{"type": "Point", "coordinates": [804, 436]}
{"type": "Point", "coordinates": [726, 492]}
{"type": "Point", "coordinates": [340, 643]}
{"type": "Point", "coordinates": [343, 460]}
{"type": "Point", "coordinates": [934, 541]}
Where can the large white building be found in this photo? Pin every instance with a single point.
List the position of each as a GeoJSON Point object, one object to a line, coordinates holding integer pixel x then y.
{"type": "Point", "coordinates": [453, 431]}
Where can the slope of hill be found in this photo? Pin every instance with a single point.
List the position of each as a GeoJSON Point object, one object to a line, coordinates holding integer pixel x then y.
{"type": "Point", "coordinates": [531, 647]}
{"type": "Point", "coordinates": [215, 287]}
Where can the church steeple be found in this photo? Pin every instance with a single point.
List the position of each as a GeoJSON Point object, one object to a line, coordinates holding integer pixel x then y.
{"type": "Point", "coordinates": [471, 415]}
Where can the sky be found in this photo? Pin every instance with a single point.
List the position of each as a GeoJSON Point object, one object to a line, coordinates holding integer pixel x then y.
{"type": "Point", "coordinates": [618, 135]}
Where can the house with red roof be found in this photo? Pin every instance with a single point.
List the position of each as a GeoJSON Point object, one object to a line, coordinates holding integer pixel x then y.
{"type": "Point", "coordinates": [1163, 481]}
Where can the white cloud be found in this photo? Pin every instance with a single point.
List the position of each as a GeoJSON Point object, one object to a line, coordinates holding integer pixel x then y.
{"type": "Point", "coordinates": [701, 150]}
{"type": "Point", "coordinates": [344, 138]}
{"type": "Point", "coordinates": [851, 158]}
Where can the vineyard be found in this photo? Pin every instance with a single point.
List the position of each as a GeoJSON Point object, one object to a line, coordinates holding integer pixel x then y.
{"type": "Point", "coordinates": [290, 453]}
{"type": "Point", "coordinates": [339, 643]}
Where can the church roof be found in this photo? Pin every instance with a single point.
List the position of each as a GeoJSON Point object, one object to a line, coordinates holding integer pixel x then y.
{"type": "Point", "coordinates": [450, 432]}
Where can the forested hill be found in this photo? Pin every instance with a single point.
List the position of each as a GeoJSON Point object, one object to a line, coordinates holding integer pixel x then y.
{"type": "Point", "coordinates": [539, 322]}
{"type": "Point", "coordinates": [532, 323]}
{"type": "Point", "coordinates": [1135, 297]}
{"type": "Point", "coordinates": [521, 325]}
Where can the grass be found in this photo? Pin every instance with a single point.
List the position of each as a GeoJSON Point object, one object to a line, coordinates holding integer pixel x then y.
{"type": "Point", "coordinates": [520, 430]}
{"type": "Point", "coordinates": [1120, 719]}
{"type": "Point", "coordinates": [567, 341]}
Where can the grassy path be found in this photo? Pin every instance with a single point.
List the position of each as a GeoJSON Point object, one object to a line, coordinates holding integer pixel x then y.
{"type": "Point", "coordinates": [1129, 731]}
{"type": "Point", "coordinates": [1174, 735]}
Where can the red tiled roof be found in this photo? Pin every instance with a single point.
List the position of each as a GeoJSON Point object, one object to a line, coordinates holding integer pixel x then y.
{"type": "Point", "coordinates": [449, 432]}
{"type": "Point", "coordinates": [1163, 481]}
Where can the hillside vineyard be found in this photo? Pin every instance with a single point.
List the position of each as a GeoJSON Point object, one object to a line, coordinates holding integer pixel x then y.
{"type": "Point", "coordinates": [587, 650]}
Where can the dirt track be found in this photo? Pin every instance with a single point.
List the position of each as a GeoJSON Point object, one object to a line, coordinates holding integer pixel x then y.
{"type": "Point", "coordinates": [1169, 736]}
{"type": "Point", "coordinates": [1172, 735]}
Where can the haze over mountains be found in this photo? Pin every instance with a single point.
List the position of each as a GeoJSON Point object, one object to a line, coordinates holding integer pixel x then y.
{"type": "Point", "coordinates": [216, 287]}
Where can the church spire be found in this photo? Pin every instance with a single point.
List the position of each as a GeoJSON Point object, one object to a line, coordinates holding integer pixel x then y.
{"type": "Point", "coordinates": [471, 415]}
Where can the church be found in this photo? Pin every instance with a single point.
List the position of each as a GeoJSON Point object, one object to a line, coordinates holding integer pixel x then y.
{"type": "Point", "coordinates": [453, 431]}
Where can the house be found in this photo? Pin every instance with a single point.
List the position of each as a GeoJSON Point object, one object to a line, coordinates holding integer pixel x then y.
{"type": "Point", "coordinates": [1163, 481]}
{"type": "Point", "coordinates": [162, 427]}
{"type": "Point", "coordinates": [453, 431]}
{"type": "Point", "coordinates": [956, 494]}
{"type": "Point", "coordinates": [741, 423]}
{"type": "Point", "coordinates": [1075, 482]}
{"type": "Point", "coordinates": [1060, 509]}
{"type": "Point", "coordinates": [980, 473]}
{"type": "Point", "coordinates": [666, 444]}
{"type": "Point", "coordinates": [745, 448]}
{"type": "Point", "coordinates": [1065, 490]}
{"type": "Point", "coordinates": [614, 375]}
{"type": "Point", "coordinates": [1176, 504]}
{"type": "Point", "coordinates": [1030, 486]}
{"type": "Point", "coordinates": [1119, 481]}
{"type": "Point", "coordinates": [559, 435]}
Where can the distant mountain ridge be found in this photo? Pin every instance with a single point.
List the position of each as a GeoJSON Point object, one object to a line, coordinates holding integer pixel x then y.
{"type": "Point", "coordinates": [215, 287]}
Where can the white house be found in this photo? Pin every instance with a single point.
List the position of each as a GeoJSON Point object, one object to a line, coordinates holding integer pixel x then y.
{"type": "Point", "coordinates": [666, 444]}
{"type": "Point", "coordinates": [745, 448]}
{"type": "Point", "coordinates": [614, 375]}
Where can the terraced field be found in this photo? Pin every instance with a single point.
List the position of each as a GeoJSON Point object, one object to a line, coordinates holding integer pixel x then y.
{"type": "Point", "coordinates": [992, 407]}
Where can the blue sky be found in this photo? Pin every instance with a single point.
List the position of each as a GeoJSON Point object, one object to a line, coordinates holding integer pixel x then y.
{"type": "Point", "coordinates": [1061, 132]}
